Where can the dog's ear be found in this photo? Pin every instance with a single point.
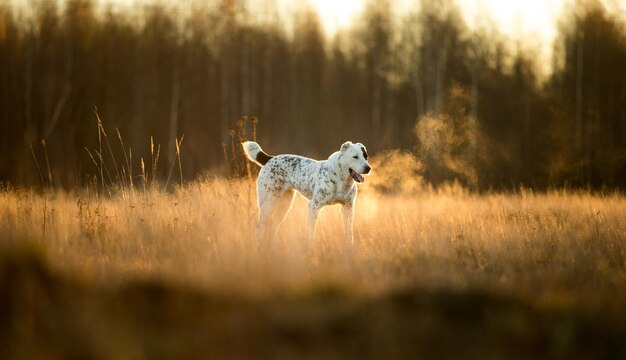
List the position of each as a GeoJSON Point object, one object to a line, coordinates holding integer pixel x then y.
{"type": "Point", "coordinates": [345, 146]}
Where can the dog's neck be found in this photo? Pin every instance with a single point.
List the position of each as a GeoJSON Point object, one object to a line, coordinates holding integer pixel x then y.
{"type": "Point", "coordinates": [343, 177]}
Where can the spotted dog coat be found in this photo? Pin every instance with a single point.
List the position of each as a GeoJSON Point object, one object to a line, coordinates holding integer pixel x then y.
{"type": "Point", "coordinates": [326, 182]}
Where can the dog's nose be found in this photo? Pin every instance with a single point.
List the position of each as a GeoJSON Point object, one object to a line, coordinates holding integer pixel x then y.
{"type": "Point", "coordinates": [367, 170]}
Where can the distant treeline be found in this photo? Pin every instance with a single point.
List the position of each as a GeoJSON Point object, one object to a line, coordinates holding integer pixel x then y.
{"type": "Point", "coordinates": [470, 104]}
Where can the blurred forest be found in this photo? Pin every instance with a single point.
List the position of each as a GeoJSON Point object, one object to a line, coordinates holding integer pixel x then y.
{"type": "Point", "coordinates": [470, 105]}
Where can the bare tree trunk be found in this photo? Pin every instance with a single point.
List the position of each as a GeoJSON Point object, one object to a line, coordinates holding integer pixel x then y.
{"type": "Point", "coordinates": [473, 118]}
{"type": "Point", "coordinates": [579, 91]}
{"type": "Point", "coordinates": [376, 103]}
{"type": "Point", "coordinates": [475, 80]}
{"type": "Point", "coordinates": [28, 81]}
{"type": "Point", "coordinates": [254, 69]}
{"type": "Point", "coordinates": [294, 106]}
{"type": "Point", "coordinates": [267, 78]}
{"type": "Point", "coordinates": [138, 108]}
{"type": "Point", "coordinates": [244, 68]}
{"type": "Point", "coordinates": [419, 87]}
{"type": "Point", "coordinates": [580, 152]}
{"type": "Point", "coordinates": [430, 67]}
{"type": "Point", "coordinates": [442, 57]}
{"type": "Point", "coordinates": [67, 87]}
{"type": "Point", "coordinates": [224, 95]}
{"type": "Point", "coordinates": [173, 130]}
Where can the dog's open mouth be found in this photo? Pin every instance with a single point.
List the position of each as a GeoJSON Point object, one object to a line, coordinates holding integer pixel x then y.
{"type": "Point", "coordinates": [356, 176]}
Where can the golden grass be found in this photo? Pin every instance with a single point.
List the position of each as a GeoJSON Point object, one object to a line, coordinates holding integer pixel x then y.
{"type": "Point", "coordinates": [434, 273]}
{"type": "Point", "coordinates": [202, 235]}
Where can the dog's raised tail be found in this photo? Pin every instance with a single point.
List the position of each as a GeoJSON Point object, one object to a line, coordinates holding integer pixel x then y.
{"type": "Point", "coordinates": [255, 153]}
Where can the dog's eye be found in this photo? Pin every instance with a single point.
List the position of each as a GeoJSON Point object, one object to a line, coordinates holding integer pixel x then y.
{"type": "Point", "coordinates": [355, 156]}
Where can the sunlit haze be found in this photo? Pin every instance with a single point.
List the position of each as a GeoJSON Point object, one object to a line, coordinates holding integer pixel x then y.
{"type": "Point", "coordinates": [516, 18]}
{"type": "Point", "coordinates": [527, 20]}
{"type": "Point", "coordinates": [337, 15]}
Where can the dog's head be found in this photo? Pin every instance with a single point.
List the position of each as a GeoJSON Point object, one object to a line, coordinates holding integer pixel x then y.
{"type": "Point", "coordinates": [354, 158]}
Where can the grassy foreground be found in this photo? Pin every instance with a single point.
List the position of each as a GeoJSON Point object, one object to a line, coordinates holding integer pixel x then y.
{"type": "Point", "coordinates": [433, 273]}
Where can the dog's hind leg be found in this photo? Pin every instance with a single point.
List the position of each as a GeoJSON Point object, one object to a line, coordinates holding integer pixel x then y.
{"type": "Point", "coordinates": [283, 206]}
{"type": "Point", "coordinates": [263, 227]}
{"type": "Point", "coordinates": [273, 207]}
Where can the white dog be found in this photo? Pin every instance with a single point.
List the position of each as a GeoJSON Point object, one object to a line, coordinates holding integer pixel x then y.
{"type": "Point", "coordinates": [326, 182]}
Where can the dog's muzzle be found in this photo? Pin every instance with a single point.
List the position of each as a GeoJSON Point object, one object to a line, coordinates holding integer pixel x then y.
{"type": "Point", "coordinates": [356, 176]}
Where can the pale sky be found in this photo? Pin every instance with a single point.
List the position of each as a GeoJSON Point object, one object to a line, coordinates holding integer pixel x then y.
{"type": "Point", "coordinates": [511, 16]}
{"type": "Point", "coordinates": [533, 23]}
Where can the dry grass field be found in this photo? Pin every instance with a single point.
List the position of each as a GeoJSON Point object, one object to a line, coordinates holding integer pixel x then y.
{"type": "Point", "coordinates": [439, 273]}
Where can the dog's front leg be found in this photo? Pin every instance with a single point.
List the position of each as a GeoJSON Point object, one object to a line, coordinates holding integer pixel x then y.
{"type": "Point", "coordinates": [347, 210]}
{"type": "Point", "coordinates": [311, 220]}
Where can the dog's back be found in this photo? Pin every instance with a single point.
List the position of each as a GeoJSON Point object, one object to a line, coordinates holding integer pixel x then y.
{"type": "Point", "coordinates": [282, 172]}
{"type": "Point", "coordinates": [291, 172]}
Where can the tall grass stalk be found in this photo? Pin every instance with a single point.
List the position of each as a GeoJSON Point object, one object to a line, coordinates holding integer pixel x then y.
{"type": "Point", "coordinates": [154, 161]}
{"type": "Point", "coordinates": [174, 161]}
{"type": "Point", "coordinates": [180, 166]}
{"type": "Point", "coordinates": [126, 158]}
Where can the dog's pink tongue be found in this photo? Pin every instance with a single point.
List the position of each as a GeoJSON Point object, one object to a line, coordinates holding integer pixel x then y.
{"type": "Point", "coordinates": [360, 177]}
